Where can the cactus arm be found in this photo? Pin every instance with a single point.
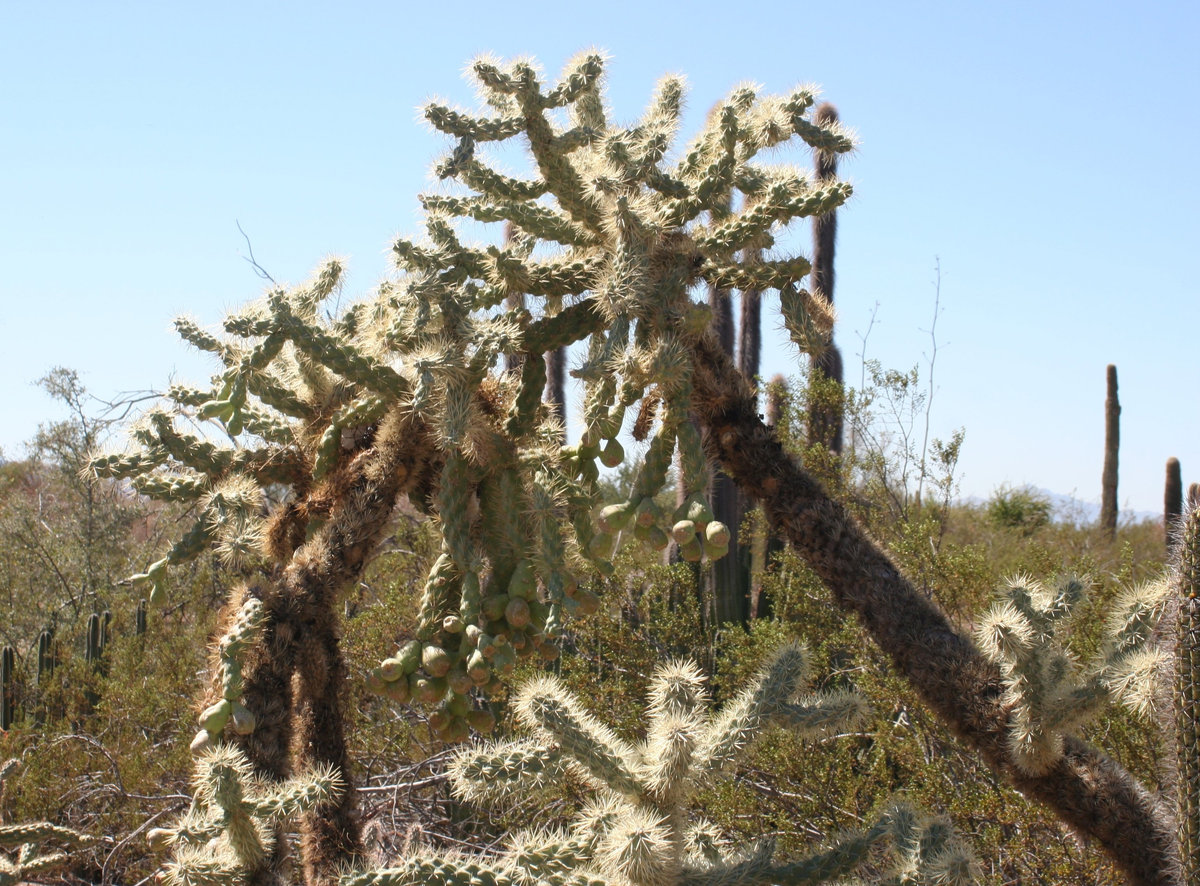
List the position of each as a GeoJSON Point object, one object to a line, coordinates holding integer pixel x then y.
{"type": "Point", "coordinates": [1085, 789]}
{"type": "Point", "coordinates": [431, 871]}
{"type": "Point", "coordinates": [487, 774]}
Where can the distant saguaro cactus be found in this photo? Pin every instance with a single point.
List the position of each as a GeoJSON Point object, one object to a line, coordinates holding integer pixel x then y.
{"type": "Point", "coordinates": [1187, 695]}
{"type": "Point", "coordinates": [139, 619]}
{"type": "Point", "coordinates": [1172, 497]}
{"type": "Point", "coordinates": [8, 669]}
{"type": "Point", "coordinates": [1112, 443]}
{"type": "Point", "coordinates": [825, 422]}
{"type": "Point", "coordinates": [45, 658]}
{"type": "Point", "coordinates": [640, 829]}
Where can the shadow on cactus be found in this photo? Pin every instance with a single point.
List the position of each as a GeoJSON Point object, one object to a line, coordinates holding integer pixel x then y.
{"type": "Point", "coordinates": [1051, 693]}
{"type": "Point", "coordinates": [22, 842]}
{"type": "Point", "coordinates": [639, 829]}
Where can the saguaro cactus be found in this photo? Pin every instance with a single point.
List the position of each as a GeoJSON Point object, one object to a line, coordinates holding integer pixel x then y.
{"type": "Point", "coordinates": [8, 669]}
{"type": "Point", "coordinates": [1187, 696]}
{"type": "Point", "coordinates": [1172, 497]}
{"type": "Point", "coordinates": [640, 829]}
{"type": "Point", "coordinates": [1112, 443]}
{"type": "Point", "coordinates": [824, 422]}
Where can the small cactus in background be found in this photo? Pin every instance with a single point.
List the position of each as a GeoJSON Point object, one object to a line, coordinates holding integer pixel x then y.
{"type": "Point", "coordinates": [1172, 498]}
{"type": "Point", "coordinates": [8, 669]}
{"type": "Point", "coordinates": [22, 841]}
{"type": "Point", "coordinates": [139, 619]}
{"type": "Point", "coordinates": [1049, 693]}
{"type": "Point", "coordinates": [1187, 695]}
{"type": "Point", "coordinates": [639, 828]}
{"type": "Point", "coordinates": [228, 833]}
{"type": "Point", "coordinates": [1112, 444]}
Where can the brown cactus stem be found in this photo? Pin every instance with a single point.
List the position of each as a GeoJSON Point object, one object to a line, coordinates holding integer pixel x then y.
{"type": "Point", "coordinates": [825, 421]}
{"type": "Point", "coordinates": [295, 676]}
{"type": "Point", "coordinates": [1086, 790]}
{"type": "Point", "coordinates": [1112, 443]}
{"type": "Point", "coordinates": [1172, 498]}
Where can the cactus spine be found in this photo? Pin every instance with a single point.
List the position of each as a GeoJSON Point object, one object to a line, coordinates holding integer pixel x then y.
{"type": "Point", "coordinates": [1187, 696]}
{"type": "Point", "coordinates": [8, 667]}
{"type": "Point", "coordinates": [1112, 443]}
{"type": "Point", "coordinates": [23, 840]}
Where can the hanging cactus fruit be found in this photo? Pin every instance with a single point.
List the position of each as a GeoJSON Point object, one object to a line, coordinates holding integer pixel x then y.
{"type": "Point", "coordinates": [228, 710]}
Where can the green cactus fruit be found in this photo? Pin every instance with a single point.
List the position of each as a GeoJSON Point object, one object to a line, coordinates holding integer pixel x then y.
{"type": "Point", "coordinates": [550, 651]}
{"type": "Point", "coordinates": [652, 536]}
{"type": "Point", "coordinates": [201, 742]}
{"type": "Point", "coordinates": [519, 640]}
{"type": "Point", "coordinates": [589, 603]}
{"type": "Point", "coordinates": [409, 656]}
{"type": "Point", "coordinates": [478, 668]}
{"type": "Point", "coordinates": [214, 717]}
{"type": "Point", "coordinates": [499, 630]}
{"type": "Point", "coordinates": [493, 688]}
{"type": "Point", "coordinates": [455, 732]}
{"type": "Point", "coordinates": [715, 552]}
{"type": "Point", "coordinates": [483, 722]}
{"type": "Point", "coordinates": [692, 551]}
{"type": "Point", "coordinates": [471, 637]}
{"type": "Point", "coordinates": [427, 690]}
{"type": "Point", "coordinates": [589, 451]}
{"type": "Point", "coordinates": [493, 607]}
{"type": "Point", "coordinates": [505, 659]}
{"type": "Point", "coordinates": [602, 545]}
{"type": "Point", "coordinates": [459, 680]}
{"type": "Point", "coordinates": [523, 583]}
{"type": "Point", "coordinates": [589, 472]}
{"type": "Point", "coordinates": [452, 624]}
{"type": "Point", "coordinates": [398, 691]}
{"type": "Point", "coordinates": [612, 454]}
{"type": "Point", "coordinates": [717, 534]}
{"type": "Point", "coordinates": [516, 613]}
{"type": "Point", "coordinates": [590, 439]}
{"type": "Point", "coordinates": [241, 719]}
{"type": "Point", "coordinates": [375, 681]}
{"type": "Point", "coordinates": [439, 718]}
{"type": "Point", "coordinates": [648, 513]}
{"type": "Point", "coordinates": [391, 669]}
{"type": "Point", "coordinates": [435, 660]}
{"type": "Point", "coordinates": [698, 511]}
{"type": "Point", "coordinates": [487, 645]}
{"type": "Point", "coordinates": [683, 531]}
{"type": "Point", "coordinates": [616, 517]}
{"type": "Point", "coordinates": [457, 704]}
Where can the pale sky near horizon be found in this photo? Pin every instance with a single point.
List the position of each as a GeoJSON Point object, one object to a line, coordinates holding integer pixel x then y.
{"type": "Point", "coordinates": [1044, 152]}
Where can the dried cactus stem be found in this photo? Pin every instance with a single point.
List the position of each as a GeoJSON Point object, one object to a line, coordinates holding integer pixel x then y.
{"type": "Point", "coordinates": [1112, 443]}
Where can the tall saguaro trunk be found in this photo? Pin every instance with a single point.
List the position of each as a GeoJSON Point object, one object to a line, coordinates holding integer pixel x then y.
{"type": "Point", "coordinates": [825, 419]}
{"type": "Point", "coordinates": [1172, 497]}
{"type": "Point", "coordinates": [1112, 442]}
{"type": "Point", "coordinates": [728, 594]}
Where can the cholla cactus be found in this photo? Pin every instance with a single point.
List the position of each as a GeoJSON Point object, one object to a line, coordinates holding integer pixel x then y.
{"type": "Point", "coordinates": [22, 841]}
{"type": "Point", "coordinates": [229, 710]}
{"type": "Point", "coordinates": [1049, 692]}
{"type": "Point", "coordinates": [638, 830]}
{"type": "Point", "coordinates": [228, 833]}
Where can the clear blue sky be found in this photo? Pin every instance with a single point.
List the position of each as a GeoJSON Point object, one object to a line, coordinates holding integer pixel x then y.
{"type": "Point", "coordinates": [1047, 152]}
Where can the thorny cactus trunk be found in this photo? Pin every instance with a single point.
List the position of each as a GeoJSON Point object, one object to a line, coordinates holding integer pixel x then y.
{"type": "Point", "coordinates": [1086, 789]}
{"type": "Point", "coordinates": [824, 421]}
{"type": "Point", "coordinates": [1187, 698]}
{"type": "Point", "coordinates": [556, 384]}
{"type": "Point", "coordinates": [1112, 443]}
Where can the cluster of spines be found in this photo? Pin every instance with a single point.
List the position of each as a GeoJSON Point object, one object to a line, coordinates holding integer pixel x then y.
{"type": "Point", "coordinates": [23, 841]}
{"type": "Point", "coordinates": [229, 830]}
{"type": "Point", "coordinates": [1049, 692]}
{"type": "Point", "coordinates": [229, 710]}
{"type": "Point", "coordinates": [639, 829]}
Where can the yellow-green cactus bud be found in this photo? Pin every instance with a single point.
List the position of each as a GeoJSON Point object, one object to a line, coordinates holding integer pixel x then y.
{"type": "Point", "coordinates": [683, 531]}
{"type": "Point", "coordinates": [375, 682]}
{"type": "Point", "coordinates": [648, 512]}
{"type": "Point", "coordinates": [602, 545]}
{"type": "Point", "coordinates": [653, 536]}
{"type": "Point", "coordinates": [477, 668]}
{"type": "Point", "coordinates": [692, 551]}
{"type": "Point", "coordinates": [241, 720]}
{"type": "Point", "coordinates": [483, 722]}
{"type": "Point", "coordinates": [398, 691]}
{"type": "Point", "coordinates": [715, 552]}
{"type": "Point", "coordinates": [391, 669]}
{"type": "Point", "coordinates": [616, 517]}
{"type": "Point", "coordinates": [427, 690]}
{"type": "Point", "coordinates": [214, 717]}
{"type": "Point", "coordinates": [493, 607]}
{"type": "Point", "coordinates": [459, 680]}
{"type": "Point", "coordinates": [409, 656]}
{"type": "Point", "coordinates": [201, 742]}
{"type": "Point", "coordinates": [523, 583]}
{"type": "Point", "coordinates": [613, 454]}
{"type": "Point", "coordinates": [455, 732]}
{"type": "Point", "coordinates": [457, 705]}
{"type": "Point", "coordinates": [452, 624]}
{"type": "Point", "coordinates": [717, 534]}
